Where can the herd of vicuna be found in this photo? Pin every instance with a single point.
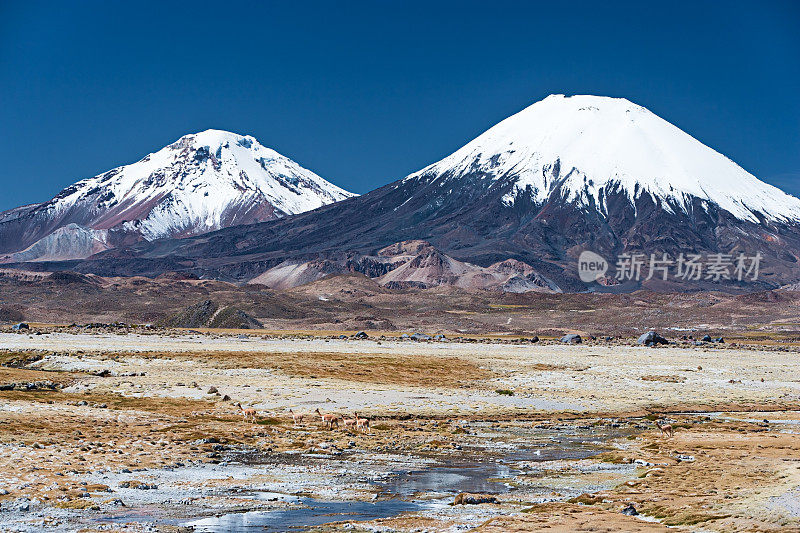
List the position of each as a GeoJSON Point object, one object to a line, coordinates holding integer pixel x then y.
{"type": "Point", "coordinates": [358, 423]}
{"type": "Point", "coordinates": [329, 420]}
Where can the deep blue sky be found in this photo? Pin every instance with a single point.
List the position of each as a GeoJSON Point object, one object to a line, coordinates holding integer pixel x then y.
{"type": "Point", "coordinates": [365, 93]}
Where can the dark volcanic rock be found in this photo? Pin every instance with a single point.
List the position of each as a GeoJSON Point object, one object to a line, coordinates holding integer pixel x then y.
{"type": "Point", "coordinates": [572, 338]}
{"type": "Point", "coordinates": [651, 338]}
{"type": "Point", "coordinates": [630, 510]}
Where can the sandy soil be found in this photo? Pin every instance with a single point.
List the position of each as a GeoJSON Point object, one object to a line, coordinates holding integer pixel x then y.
{"type": "Point", "coordinates": [126, 413]}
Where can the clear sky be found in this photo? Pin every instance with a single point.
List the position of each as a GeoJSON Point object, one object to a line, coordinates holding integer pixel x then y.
{"type": "Point", "coordinates": [364, 93]}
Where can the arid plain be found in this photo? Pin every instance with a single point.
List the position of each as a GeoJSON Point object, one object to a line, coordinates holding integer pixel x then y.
{"type": "Point", "coordinates": [131, 428]}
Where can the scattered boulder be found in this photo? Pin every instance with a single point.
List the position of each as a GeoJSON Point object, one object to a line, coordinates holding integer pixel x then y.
{"type": "Point", "coordinates": [420, 337]}
{"type": "Point", "coordinates": [706, 338]}
{"type": "Point", "coordinates": [103, 325]}
{"type": "Point", "coordinates": [22, 505]}
{"type": "Point", "coordinates": [212, 390]}
{"type": "Point", "coordinates": [361, 335]}
{"type": "Point", "coordinates": [719, 339]}
{"type": "Point", "coordinates": [651, 338]}
{"type": "Point", "coordinates": [29, 386]}
{"type": "Point", "coordinates": [572, 338]}
{"type": "Point", "coordinates": [630, 510]}
{"type": "Point", "coordinates": [466, 498]}
{"type": "Point", "coordinates": [20, 327]}
{"type": "Point", "coordinates": [535, 338]}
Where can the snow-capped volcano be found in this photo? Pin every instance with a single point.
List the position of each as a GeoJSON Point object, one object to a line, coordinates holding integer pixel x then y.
{"type": "Point", "coordinates": [583, 148]}
{"type": "Point", "coordinates": [200, 183]}
{"type": "Point", "coordinates": [563, 176]}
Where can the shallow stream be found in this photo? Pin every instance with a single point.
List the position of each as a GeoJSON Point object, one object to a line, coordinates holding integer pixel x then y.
{"type": "Point", "coordinates": [487, 468]}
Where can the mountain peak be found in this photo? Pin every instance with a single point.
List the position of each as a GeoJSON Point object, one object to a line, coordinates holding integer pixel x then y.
{"type": "Point", "coordinates": [216, 137]}
{"type": "Point", "coordinates": [202, 182]}
{"type": "Point", "coordinates": [584, 146]}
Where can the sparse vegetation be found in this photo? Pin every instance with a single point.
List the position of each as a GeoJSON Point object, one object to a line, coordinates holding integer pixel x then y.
{"type": "Point", "coordinates": [586, 499]}
{"type": "Point", "coordinates": [80, 504]}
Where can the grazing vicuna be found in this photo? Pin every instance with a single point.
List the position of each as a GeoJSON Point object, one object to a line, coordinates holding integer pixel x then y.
{"type": "Point", "coordinates": [328, 420]}
{"type": "Point", "coordinates": [348, 422]}
{"type": "Point", "coordinates": [666, 429]}
{"type": "Point", "coordinates": [247, 414]}
{"type": "Point", "coordinates": [362, 423]}
{"type": "Point", "coordinates": [297, 419]}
